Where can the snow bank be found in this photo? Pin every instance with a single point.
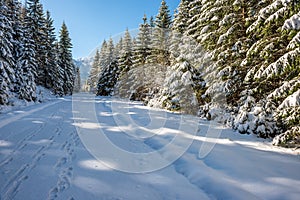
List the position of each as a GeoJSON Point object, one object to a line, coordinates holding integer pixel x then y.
{"type": "Point", "coordinates": [43, 95]}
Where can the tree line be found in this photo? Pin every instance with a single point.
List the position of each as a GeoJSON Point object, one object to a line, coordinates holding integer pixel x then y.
{"type": "Point", "coordinates": [31, 55]}
{"type": "Point", "coordinates": [235, 61]}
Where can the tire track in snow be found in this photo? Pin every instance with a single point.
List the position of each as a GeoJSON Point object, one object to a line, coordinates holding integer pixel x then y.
{"type": "Point", "coordinates": [11, 188]}
{"type": "Point", "coordinates": [21, 145]}
{"type": "Point", "coordinates": [17, 117]}
{"type": "Point", "coordinates": [214, 183]}
{"type": "Point", "coordinates": [22, 174]}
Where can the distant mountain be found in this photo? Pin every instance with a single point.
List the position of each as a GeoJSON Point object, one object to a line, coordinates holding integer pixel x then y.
{"type": "Point", "coordinates": [84, 65]}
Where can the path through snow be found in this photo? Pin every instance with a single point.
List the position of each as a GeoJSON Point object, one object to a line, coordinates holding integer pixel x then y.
{"type": "Point", "coordinates": [42, 157]}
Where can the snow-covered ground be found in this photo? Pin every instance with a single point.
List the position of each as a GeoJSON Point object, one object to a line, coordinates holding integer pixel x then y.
{"type": "Point", "coordinates": [43, 95]}
{"type": "Point", "coordinates": [45, 154]}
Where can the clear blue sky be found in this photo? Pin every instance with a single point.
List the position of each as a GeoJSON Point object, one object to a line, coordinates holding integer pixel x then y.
{"type": "Point", "coordinates": [91, 21]}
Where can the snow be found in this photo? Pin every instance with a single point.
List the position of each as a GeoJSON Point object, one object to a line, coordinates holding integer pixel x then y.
{"type": "Point", "coordinates": [42, 155]}
{"type": "Point", "coordinates": [294, 42]}
{"type": "Point", "coordinates": [292, 23]}
{"type": "Point", "coordinates": [43, 95]}
{"type": "Point", "coordinates": [279, 66]}
{"type": "Point", "coordinates": [292, 101]}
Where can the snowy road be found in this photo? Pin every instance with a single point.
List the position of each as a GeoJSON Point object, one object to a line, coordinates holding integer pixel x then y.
{"type": "Point", "coordinates": [42, 156]}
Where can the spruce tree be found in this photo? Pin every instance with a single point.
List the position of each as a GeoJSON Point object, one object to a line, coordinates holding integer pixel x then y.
{"type": "Point", "coordinates": [181, 17]}
{"type": "Point", "coordinates": [65, 60]}
{"type": "Point", "coordinates": [59, 74]}
{"type": "Point", "coordinates": [7, 72]}
{"type": "Point", "coordinates": [77, 81]}
{"type": "Point", "coordinates": [109, 53]}
{"type": "Point", "coordinates": [125, 60]}
{"type": "Point", "coordinates": [273, 71]}
{"type": "Point", "coordinates": [27, 64]}
{"type": "Point", "coordinates": [118, 49]}
{"type": "Point", "coordinates": [95, 72]}
{"type": "Point", "coordinates": [125, 64]}
{"type": "Point", "coordinates": [103, 55]}
{"type": "Point", "coordinates": [141, 48]}
{"type": "Point", "coordinates": [161, 36]}
{"type": "Point", "coordinates": [50, 57]}
{"type": "Point", "coordinates": [37, 24]}
{"type": "Point", "coordinates": [109, 73]}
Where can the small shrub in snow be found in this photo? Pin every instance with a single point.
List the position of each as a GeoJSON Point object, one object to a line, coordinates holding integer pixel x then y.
{"type": "Point", "coordinates": [290, 138]}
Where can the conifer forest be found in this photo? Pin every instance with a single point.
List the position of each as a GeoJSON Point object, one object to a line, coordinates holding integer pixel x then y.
{"type": "Point", "coordinates": [178, 99]}
{"type": "Point", "coordinates": [234, 61]}
{"type": "Point", "coordinates": [31, 55]}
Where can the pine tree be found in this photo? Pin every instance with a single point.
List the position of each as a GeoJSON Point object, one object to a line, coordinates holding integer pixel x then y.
{"type": "Point", "coordinates": [141, 48]}
{"type": "Point", "coordinates": [125, 64]}
{"type": "Point", "coordinates": [273, 69]}
{"type": "Point", "coordinates": [125, 60]}
{"type": "Point", "coordinates": [7, 77]}
{"type": "Point", "coordinates": [65, 60]}
{"type": "Point", "coordinates": [109, 53]}
{"type": "Point", "coordinates": [151, 22]}
{"type": "Point", "coordinates": [108, 79]}
{"type": "Point", "coordinates": [182, 84]}
{"type": "Point", "coordinates": [181, 17]}
{"type": "Point", "coordinates": [77, 81]}
{"type": "Point", "coordinates": [14, 15]}
{"type": "Point", "coordinates": [58, 84]}
{"type": "Point", "coordinates": [27, 64]}
{"type": "Point", "coordinates": [103, 55]}
{"type": "Point", "coordinates": [50, 57]}
{"type": "Point", "coordinates": [161, 36]}
{"type": "Point", "coordinates": [95, 72]}
{"type": "Point", "coordinates": [118, 49]}
{"type": "Point", "coordinates": [179, 30]}
{"type": "Point", "coordinates": [37, 23]}
{"type": "Point", "coordinates": [110, 70]}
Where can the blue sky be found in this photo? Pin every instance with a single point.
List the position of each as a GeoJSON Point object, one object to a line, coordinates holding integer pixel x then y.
{"type": "Point", "coordinates": [91, 21]}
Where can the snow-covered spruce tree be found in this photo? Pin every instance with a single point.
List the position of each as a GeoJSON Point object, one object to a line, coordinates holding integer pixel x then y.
{"type": "Point", "coordinates": [160, 53]}
{"type": "Point", "coordinates": [109, 54]}
{"type": "Point", "coordinates": [14, 15]}
{"type": "Point", "coordinates": [27, 64]}
{"type": "Point", "coordinates": [38, 29]}
{"type": "Point", "coordinates": [108, 79]}
{"type": "Point", "coordinates": [182, 82]}
{"type": "Point", "coordinates": [94, 72]}
{"type": "Point", "coordinates": [58, 74]}
{"type": "Point", "coordinates": [179, 92]}
{"type": "Point", "coordinates": [223, 32]}
{"type": "Point", "coordinates": [272, 62]}
{"type": "Point", "coordinates": [118, 49]}
{"type": "Point", "coordinates": [77, 81]}
{"type": "Point", "coordinates": [65, 60]}
{"type": "Point", "coordinates": [141, 48]}
{"type": "Point", "coordinates": [7, 77]}
{"type": "Point", "coordinates": [141, 52]}
{"type": "Point", "coordinates": [109, 73]}
{"type": "Point", "coordinates": [287, 115]}
{"type": "Point", "coordinates": [103, 55]}
{"type": "Point", "coordinates": [125, 60]}
{"type": "Point", "coordinates": [125, 64]}
{"type": "Point", "coordinates": [179, 29]}
{"type": "Point", "coordinates": [50, 56]}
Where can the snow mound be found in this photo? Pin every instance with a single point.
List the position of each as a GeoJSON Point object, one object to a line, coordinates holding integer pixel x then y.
{"type": "Point", "coordinates": [292, 101]}
{"type": "Point", "coordinates": [43, 95]}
